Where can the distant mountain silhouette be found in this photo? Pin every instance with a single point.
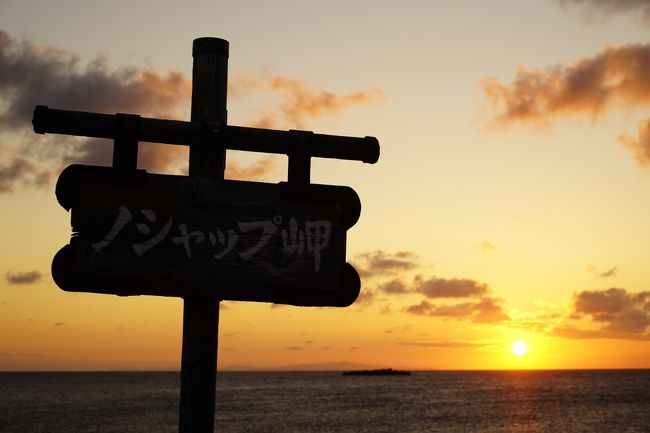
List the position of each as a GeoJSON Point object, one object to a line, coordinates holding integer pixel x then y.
{"type": "Point", "coordinates": [326, 366]}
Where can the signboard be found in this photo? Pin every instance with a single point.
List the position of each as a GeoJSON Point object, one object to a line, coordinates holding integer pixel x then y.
{"type": "Point", "coordinates": [136, 233]}
{"type": "Point", "coordinates": [201, 237]}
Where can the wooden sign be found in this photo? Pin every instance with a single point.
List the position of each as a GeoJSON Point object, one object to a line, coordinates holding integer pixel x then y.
{"type": "Point", "coordinates": [136, 233]}
{"type": "Point", "coordinates": [201, 237]}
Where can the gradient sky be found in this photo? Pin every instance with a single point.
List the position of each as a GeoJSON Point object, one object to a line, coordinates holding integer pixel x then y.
{"type": "Point", "coordinates": [511, 200]}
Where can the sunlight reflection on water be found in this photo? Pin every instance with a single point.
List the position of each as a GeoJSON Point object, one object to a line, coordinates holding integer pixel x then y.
{"type": "Point", "coordinates": [554, 401]}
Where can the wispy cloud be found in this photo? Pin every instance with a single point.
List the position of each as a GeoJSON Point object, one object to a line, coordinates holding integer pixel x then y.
{"type": "Point", "coordinates": [611, 272]}
{"type": "Point", "coordinates": [396, 329]}
{"type": "Point", "coordinates": [37, 74]}
{"type": "Point", "coordinates": [615, 78]}
{"type": "Point", "coordinates": [639, 145]}
{"type": "Point", "coordinates": [613, 313]}
{"type": "Point", "coordinates": [45, 75]}
{"type": "Point", "coordinates": [602, 8]}
{"type": "Point", "coordinates": [391, 274]}
{"type": "Point", "coordinates": [23, 171]}
{"type": "Point", "coordinates": [30, 277]}
{"type": "Point", "coordinates": [435, 287]}
{"type": "Point", "coordinates": [487, 247]}
{"type": "Point", "coordinates": [447, 344]}
{"type": "Point", "coordinates": [258, 170]}
{"type": "Point", "coordinates": [394, 287]}
{"type": "Point", "coordinates": [366, 297]}
{"type": "Point", "coordinates": [457, 298]}
{"type": "Point", "coordinates": [300, 102]}
{"type": "Point", "coordinates": [383, 273]}
{"type": "Point", "coordinates": [380, 263]}
{"type": "Point", "coordinates": [485, 310]}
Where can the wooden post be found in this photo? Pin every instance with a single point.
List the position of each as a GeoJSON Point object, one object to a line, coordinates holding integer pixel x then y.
{"type": "Point", "coordinates": [201, 315]}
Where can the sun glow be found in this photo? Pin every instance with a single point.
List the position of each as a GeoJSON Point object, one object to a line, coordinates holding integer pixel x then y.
{"type": "Point", "coordinates": [519, 348]}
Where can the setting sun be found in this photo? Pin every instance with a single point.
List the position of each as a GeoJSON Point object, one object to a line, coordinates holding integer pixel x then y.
{"type": "Point", "coordinates": [519, 348]}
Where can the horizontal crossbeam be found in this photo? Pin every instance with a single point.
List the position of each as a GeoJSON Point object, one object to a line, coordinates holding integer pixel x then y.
{"type": "Point", "coordinates": [81, 123]}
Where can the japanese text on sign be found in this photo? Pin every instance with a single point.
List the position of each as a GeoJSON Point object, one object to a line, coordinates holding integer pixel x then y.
{"type": "Point", "coordinates": [297, 239]}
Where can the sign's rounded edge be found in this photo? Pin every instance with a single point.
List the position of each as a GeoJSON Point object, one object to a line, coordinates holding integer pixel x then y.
{"type": "Point", "coordinates": [351, 285]}
{"type": "Point", "coordinates": [67, 185]}
{"type": "Point", "coordinates": [61, 269]}
{"type": "Point", "coordinates": [65, 189]}
{"type": "Point", "coordinates": [354, 205]}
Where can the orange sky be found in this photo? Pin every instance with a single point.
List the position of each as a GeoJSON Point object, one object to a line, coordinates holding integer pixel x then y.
{"type": "Point", "coordinates": [510, 202]}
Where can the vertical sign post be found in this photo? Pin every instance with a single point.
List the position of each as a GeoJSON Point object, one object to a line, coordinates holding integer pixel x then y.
{"type": "Point", "coordinates": [201, 315]}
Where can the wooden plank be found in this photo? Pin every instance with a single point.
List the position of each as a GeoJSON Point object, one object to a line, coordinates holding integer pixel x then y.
{"type": "Point", "coordinates": [48, 120]}
{"type": "Point", "coordinates": [137, 233]}
{"type": "Point", "coordinates": [201, 315]}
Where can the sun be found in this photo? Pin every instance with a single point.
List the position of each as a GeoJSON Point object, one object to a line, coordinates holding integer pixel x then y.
{"type": "Point", "coordinates": [519, 348]}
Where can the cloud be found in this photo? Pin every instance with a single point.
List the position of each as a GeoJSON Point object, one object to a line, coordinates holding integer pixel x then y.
{"type": "Point", "coordinates": [608, 7]}
{"type": "Point", "coordinates": [294, 348]}
{"type": "Point", "coordinates": [449, 288]}
{"type": "Point", "coordinates": [379, 263]}
{"type": "Point", "coordinates": [640, 145]}
{"type": "Point", "coordinates": [257, 170]}
{"type": "Point", "coordinates": [44, 75]}
{"type": "Point", "coordinates": [394, 287]}
{"type": "Point", "coordinates": [366, 297]}
{"type": "Point", "coordinates": [446, 344]}
{"type": "Point", "coordinates": [23, 171]}
{"type": "Point", "coordinates": [609, 273]}
{"type": "Point", "coordinates": [487, 247]}
{"type": "Point", "coordinates": [485, 310]}
{"type": "Point", "coordinates": [619, 311]}
{"type": "Point", "coordinates": [615, 78]}
{"type": "Point", "coordinates": [58, 324]}
{"type": "Point", "coordinates": [388, 274]}
{"type": "Point", "coordinates": [299, 101]}
{"type": "Point", "coordinates": [574, 333]}
{"type": "Point", "coordinates": [50, 76]}
{"type": "Point", "coordinates": [384, 273]}
{"type": "Point", "coordinates": [534, 322]}
{"type": "Point", "coordinates": [456, 298]}
{"type": "Point", "coordinates": [30, 277]}
{"type": "Point", "coordinates": [614, 313]}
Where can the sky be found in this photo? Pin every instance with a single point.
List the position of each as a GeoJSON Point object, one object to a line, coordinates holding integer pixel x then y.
{"type": "Point", "coordinates": [510, 202]}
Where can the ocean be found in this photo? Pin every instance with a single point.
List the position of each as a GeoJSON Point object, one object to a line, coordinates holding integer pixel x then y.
{"type": "Point", "coordinates": [608, 401]}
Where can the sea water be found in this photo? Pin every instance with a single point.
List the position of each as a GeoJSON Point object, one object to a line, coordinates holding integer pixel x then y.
{"type": "Point", "coordinates": [615, 401]}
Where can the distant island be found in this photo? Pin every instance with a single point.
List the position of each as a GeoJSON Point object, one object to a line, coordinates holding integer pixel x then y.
{"type": "Point", "coordinates": [378, 372]}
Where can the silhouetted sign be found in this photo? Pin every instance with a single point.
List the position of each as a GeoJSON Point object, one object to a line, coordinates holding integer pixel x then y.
{"type": "Point", "coordinates": [136, 233]}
